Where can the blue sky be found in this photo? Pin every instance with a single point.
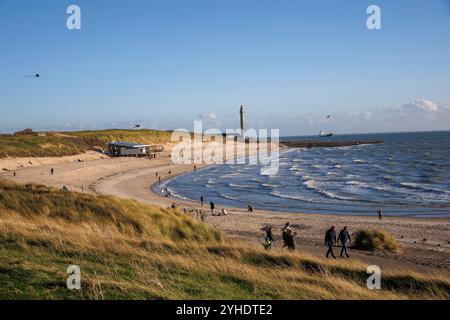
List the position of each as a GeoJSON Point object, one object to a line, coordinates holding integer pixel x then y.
{"type": "Point", "coordinates": [165, 63]}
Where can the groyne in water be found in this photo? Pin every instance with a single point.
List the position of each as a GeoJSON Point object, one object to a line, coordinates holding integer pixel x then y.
{"type": "Point", "coordinates": [325, 144]}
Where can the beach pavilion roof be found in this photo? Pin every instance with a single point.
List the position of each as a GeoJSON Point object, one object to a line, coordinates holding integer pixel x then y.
{"type": "Point", "coordinates": [128, 145]}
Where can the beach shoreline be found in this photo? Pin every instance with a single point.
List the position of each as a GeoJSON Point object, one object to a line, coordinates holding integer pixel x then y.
{"type": "Point", "coordinates": [135, 178]}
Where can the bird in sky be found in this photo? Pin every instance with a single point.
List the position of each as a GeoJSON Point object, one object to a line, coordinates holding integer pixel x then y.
{"type": "Point", "coordinates": [36, 75]}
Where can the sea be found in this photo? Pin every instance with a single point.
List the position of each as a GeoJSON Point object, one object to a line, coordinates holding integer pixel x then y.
{"type": "Point", "coordinates": [407, 175]}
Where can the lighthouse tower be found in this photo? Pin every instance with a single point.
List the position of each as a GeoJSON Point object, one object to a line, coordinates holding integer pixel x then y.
{"type": "Point", "coordinates": [242, 113]}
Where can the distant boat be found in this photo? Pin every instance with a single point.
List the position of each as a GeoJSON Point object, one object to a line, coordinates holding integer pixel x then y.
{"type": "Point", "coordinates": [325, 134]}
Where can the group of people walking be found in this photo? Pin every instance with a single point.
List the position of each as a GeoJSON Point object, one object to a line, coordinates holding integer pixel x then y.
{"type": "Point", "coordinates": [331, 240]}
{"type": "Point", "coordinates": [288, 236]}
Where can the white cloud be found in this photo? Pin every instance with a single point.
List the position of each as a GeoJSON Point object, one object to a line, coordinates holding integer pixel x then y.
{"type": "Point", "coordinates": [421, 105]}
{"type": "Point", "coordinates": [209, 116]}
{"type": "Point", "coordinates": [418, 115]}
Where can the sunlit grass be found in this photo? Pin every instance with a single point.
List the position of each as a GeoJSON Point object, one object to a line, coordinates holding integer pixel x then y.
{"type": "Point", "coordinates": [373, 240]}
{"type": "Point", "coordinates": [127, 250]}
{"type": "Point", "coordinates": [56, 144]}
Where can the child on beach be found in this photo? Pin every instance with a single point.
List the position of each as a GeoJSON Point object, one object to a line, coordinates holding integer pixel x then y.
{"type": "Point", "coordinates": [268, 240]}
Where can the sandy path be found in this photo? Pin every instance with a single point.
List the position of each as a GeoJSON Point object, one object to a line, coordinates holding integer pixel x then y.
{"type": "Point", "coordinates": [133, 178]}
{"type": "Point", "coordinates": [11, 164]}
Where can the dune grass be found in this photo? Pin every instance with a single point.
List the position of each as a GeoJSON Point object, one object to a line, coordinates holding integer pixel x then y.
{"type": "Point", "coordinates": [375, 240]}
{"type": "Point", "coordinates": [127, 250]}
{"type": "Point", "coordinates": [56, 144]}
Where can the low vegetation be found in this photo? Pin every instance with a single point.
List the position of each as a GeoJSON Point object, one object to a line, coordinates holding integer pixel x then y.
{"type": "Point", "coordinates": [375, 240]}
{"type": "Point", "coordinates": [127, 250]}
{"type": "Point", "coordinates": [56, 144]}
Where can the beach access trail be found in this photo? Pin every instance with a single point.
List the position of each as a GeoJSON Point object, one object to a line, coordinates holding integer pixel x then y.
{"type": "Point", "coordinates": [425, 242]}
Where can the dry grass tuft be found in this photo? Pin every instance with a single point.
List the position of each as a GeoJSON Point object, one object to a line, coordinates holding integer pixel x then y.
{"type": "Point", "coordinates": [373, 240]}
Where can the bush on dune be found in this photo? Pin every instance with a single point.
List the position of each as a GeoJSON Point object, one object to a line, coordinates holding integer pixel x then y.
{"type": "Point", "coordinates": [375, 240]}
{"type": "Point", "coordinates": [127, 216]}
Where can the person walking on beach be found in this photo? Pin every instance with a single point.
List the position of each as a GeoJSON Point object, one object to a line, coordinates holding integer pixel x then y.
{"type": "Point", "coordinates": [268, 240]}
{"type": "Point", "coordinates": [213, 208]}
{"type": "Point", "coordinates": [52, 171]}
{"type": "Point", "coordinates": [201, 200]}
{"type": "Point", "coordinates": [156, 175]}
{"type": "Point", "coordinates": [159, 180]}
{"type": "Point", "coordinates": [343, 237]}
{"type": "Point", "coordinates": [290, 239]}
{"type": "Point", "coordinates": [330, 239]}
{"type": "Point", "coordinates": [285, 234]}
{"type": "Point", "coordinates": [380, 215]}
{"type": "Point", "coordinates": [195, 168]}
{"type": "Point", "coordinates": [14, 174]}
{"type": "Point", "coordinates": [250, 208]}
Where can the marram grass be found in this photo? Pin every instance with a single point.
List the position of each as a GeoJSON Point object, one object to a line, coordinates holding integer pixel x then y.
{"type": "Point", "coordinates": [127, 250]}
{"type": "Point", "coordinates": [57, 144]}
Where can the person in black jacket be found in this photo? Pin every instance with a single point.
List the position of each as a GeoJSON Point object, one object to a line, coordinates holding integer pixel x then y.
{"type": "Point", "coordinates": [330, 240]}
{"type": "Point", "coordinates": [290, 241]}
{"type": "Point", "coordinates": [284, 235]}
{"type": "Point", "coordinates": [343, 237]}
{"type": "Point", "coordinates": [380, 214]}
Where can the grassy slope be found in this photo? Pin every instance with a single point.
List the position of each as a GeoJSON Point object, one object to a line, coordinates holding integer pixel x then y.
{"type": "Point", "coordinates": [56, 144]}
{"type": "Point", "coordinates": [131, 251]}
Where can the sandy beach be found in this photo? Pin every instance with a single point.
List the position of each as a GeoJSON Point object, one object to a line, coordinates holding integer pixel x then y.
{"type": "Point", "coordinates": [425, 242]}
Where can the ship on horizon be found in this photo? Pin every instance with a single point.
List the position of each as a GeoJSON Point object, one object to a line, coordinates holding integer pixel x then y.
{"type": "Point", "coordinates": [324, 134]}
